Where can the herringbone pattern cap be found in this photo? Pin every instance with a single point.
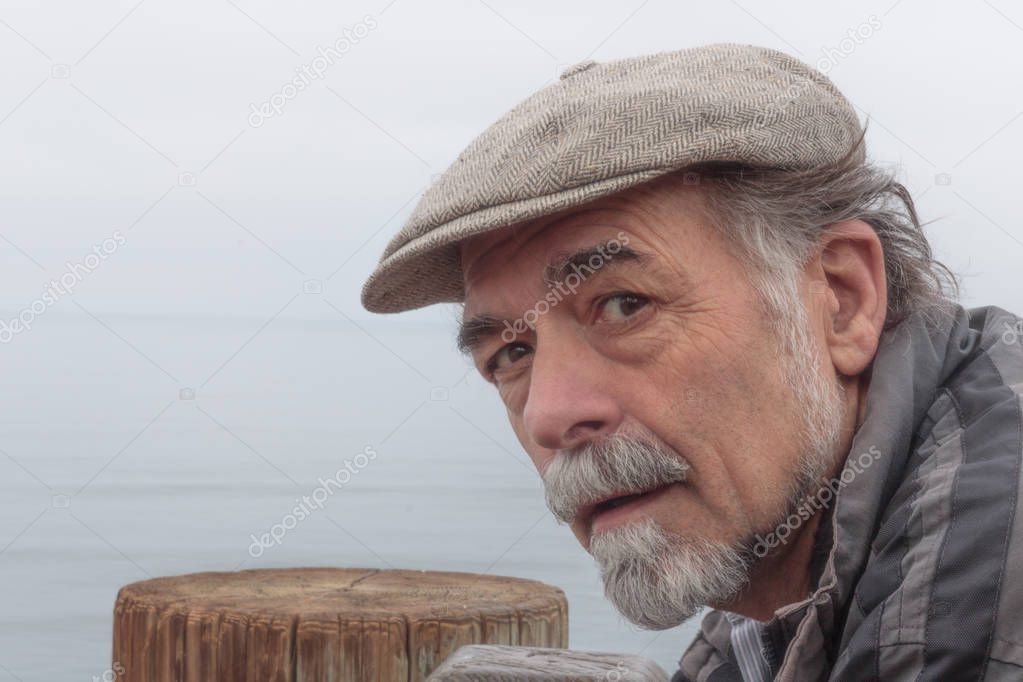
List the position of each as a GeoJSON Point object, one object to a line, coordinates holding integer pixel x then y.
{"type": "Point", "coordinates": [604, 127]}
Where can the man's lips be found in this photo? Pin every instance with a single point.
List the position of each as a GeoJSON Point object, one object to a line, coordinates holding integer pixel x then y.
{"type": "Point", "coordinates": [615, 505]}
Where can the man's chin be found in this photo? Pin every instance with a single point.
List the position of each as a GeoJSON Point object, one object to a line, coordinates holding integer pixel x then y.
{"type": "Point", "coordinates": [641, 598]}
{"type": "Point", "coordinates": [657, 580]}
{"type": "Point", "coordinates": [643, 618]}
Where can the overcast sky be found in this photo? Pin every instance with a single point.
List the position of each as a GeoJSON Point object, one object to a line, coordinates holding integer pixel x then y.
{"type": "Point", "coordinates": [110, 111]}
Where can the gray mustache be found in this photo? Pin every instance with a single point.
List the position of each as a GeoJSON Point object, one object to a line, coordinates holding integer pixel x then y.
{"type": "Point", "coordinates": [615, 465]}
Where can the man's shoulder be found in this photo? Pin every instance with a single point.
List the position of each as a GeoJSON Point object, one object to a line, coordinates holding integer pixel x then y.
{"type": "Point", "coordinates": [976, 412]}
{"type": "Point", "coordinates": [944, 578]}
{"type": "Point", "coordinates": [994, 371]}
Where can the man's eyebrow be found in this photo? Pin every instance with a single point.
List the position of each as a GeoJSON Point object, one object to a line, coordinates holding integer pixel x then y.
{"type": "Point", "coordinates": [473, 331]}
{"type": "Point", "coordinates": [580, 260]}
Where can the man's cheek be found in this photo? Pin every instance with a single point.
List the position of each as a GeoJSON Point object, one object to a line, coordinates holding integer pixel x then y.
{"type": "Point", "coordinates": [514, 394]}
{"type": "Point", "coordinates": [538, 456]}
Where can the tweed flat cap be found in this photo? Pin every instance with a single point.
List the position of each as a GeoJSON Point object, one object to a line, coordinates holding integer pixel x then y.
{"type": "Point", "coordinates": [605, 127]}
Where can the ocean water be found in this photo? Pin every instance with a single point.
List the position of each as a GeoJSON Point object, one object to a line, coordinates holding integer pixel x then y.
{"type": "Point", "coordinates": [135, 446]}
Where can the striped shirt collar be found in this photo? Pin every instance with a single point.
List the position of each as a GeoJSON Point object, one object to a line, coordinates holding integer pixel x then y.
{"type": "Point", "coordinates": [747, 644]}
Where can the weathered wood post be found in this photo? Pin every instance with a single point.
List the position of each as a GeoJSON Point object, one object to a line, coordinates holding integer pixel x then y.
{"type": "Point", "coordinates": [496, 663]}
{"type": "Point", "coordinates": [323, 624]}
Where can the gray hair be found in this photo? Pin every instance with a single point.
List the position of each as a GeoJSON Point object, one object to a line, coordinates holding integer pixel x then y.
{"type": "Point", "coordinates": [776, 218]}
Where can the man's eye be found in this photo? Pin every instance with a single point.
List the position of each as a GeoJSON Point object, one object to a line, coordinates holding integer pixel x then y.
{"type": "Point", "coordinates": [619, 307]}
{"type": "Point", "coordinates": [507, 356]}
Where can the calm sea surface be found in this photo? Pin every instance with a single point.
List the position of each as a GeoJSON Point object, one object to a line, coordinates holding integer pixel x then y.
{"type": "Point", "coordinates": [133, 447]}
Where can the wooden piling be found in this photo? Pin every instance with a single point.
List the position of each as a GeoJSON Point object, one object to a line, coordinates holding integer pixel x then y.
{"type": "Point", "coordinates": [495, 663]}
{"type": "Point", "coordinates": [323, 624]}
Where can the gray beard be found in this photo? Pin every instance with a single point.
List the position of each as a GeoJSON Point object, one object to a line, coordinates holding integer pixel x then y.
{"type": "Point", "coordinates": [657, 579]}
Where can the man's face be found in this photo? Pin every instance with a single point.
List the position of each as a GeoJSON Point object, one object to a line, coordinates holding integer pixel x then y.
{"type": "Point", "coordinates": [664, 340]}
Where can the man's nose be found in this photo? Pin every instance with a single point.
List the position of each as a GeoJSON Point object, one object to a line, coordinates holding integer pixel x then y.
{"type": "Point", "coordinates": [569, 402]}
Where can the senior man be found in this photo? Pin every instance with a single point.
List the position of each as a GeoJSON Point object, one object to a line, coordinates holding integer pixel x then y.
{"type": "Point", "coordinates": [720, 334]}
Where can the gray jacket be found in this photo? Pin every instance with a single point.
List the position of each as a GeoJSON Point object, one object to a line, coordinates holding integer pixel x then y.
{"type": "Point", "coordinates": [921, 571]}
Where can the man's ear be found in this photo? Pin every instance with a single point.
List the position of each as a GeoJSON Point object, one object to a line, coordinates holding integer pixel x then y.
{"type": "Point", "coordinates": [856, 294]}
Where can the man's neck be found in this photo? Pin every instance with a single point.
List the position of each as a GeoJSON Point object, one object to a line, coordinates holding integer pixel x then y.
{"type": "Point", "coordinates": [781, 578]}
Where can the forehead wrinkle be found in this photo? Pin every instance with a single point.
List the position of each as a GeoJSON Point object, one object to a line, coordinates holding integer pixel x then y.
{"type": "Point", "coordinates": [521, 234]}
